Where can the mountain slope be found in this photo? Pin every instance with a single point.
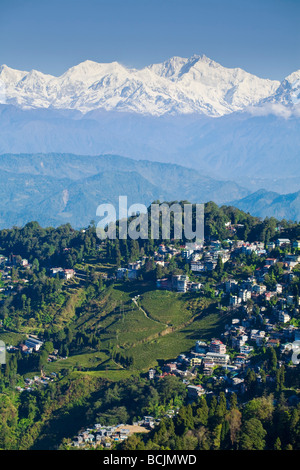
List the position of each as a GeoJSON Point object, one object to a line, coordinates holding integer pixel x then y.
{"type": "Point", "coordinates": [264, 203]}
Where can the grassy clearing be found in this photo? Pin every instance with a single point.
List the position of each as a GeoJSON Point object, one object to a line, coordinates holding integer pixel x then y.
{"type": "Point", "coordinates": [167, 307]}
{"type": "Point", "coordinates": [172, 324]}
{"type": "Point", "coordinates": [88, 360]}
{"type": "Point", "coordinates": [168, 347]}
{"type": "Point", "coordinates": [132, 326]}
{"type": "Point", "coordinates": [112, 375]}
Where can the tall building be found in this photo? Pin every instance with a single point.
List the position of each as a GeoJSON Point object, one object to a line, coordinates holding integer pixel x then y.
{"type": "Point", "coordinates": [216, 346]}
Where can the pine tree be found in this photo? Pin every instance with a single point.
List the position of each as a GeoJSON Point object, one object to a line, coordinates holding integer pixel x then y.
{"type": "Point", "coordinates": [277, 445]}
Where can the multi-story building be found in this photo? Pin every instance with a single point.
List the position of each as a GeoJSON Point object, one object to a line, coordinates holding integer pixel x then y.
{"type": "Point", "coordinates": [216, 358]}
{"type": "Point", "coordinates": [259, 289]}
{"type": "Point", "coordinates": [231, 285]}
{"type": "Point", "coordinates": [179, 282]}
{"type": "Point", "coordinates": [234, 300]}
{"type": "Point", "coordinates": [244, 294]}
{"type": "Point", "coordinates": [283, 317]}
{"type": "Point", "coordinates": [216, 346]}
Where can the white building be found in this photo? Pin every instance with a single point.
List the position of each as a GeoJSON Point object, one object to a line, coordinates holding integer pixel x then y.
{"type": "Point", "coordinates": [244, 294]}
{"type": "Point", "coordinates": [33, 343]}
{"type": "Point", "coordinates": [283, 317]}
{"type": "Point", "coordinates": [220, 359]}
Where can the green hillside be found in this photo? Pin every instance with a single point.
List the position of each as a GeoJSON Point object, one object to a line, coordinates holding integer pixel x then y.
{"type": "Point", "coordinates": [159, 327]}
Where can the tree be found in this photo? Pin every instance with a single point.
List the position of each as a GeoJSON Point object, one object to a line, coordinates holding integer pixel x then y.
{"type": "Point", "coordinates": [277, 445]}
{"type": "Point", "coordinates": [260, 408]}
{"type": "Point", "coordinates": [184, 419]}
{"type": "Point", "coordinates": [280, 378]}
{"type": "Point", "coordinates": [202, 412]}
{"type": "Point", "coordinates": [220, 266]}
{"type": "Point", "coordinates": [24, 299]}
{"type": "Point", "coordinates": [233, 401]}
{"type": "Point", "coordinates": [158, 271]}
{"type": "Point", "coordinates": [253, 434]}
{"type": "Point", "coordinates": [272, 362]}
{"type": "Point", "coordinates": [36, 264]}
{"type": "Point", "coordinates": [48, 346]}
{"type": "Point", "coordinates": [234, 418]}
{"type": "Point", "coordinates": [43, 358]}
{"type": "Point", "coordinates": [221, 407]}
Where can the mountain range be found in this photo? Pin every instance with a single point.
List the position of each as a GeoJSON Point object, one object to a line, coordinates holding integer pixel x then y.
{"type": "Point", "coordinates": [188, 128]}
{"type": "Point", "coordinates": [176, 86]}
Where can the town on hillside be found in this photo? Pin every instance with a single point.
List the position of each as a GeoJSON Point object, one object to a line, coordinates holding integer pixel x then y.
{"type": "Point", "coordinates": [252, 284]}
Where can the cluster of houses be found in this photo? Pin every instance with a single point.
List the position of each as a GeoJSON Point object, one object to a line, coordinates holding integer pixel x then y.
{"type": "Point", "coordinates": [204, 259]}
{"type": "Point", "coordinates": [107, 436]}
{"type": "Point", "coordinates": [206, 356]}
{"type": "Point", "coordinates": [8, 285]}
{"type": "Point", "coordinates": [248, 330]}
{"type": "Point", "coordinates": [131, 272]}
{"type": "Point", "coordinates": [31, 343]}
{"type": "Point", "coordinates": [208, 260]}
{"type": "Point", "coordinates": [35, 382]}
{"type": "Point", "coordinates": [242, 336]}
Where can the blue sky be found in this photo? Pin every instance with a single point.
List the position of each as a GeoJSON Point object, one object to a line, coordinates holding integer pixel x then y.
{"type": "Point", "coordinates": [260, 36]}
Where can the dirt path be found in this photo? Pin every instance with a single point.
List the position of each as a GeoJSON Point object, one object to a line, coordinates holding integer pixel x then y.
{"type": "Point", "coordinates": [146, 314]}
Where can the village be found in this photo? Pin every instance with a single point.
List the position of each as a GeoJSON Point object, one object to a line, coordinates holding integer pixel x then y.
{"type": "Point", "coordinates": [107, 436]}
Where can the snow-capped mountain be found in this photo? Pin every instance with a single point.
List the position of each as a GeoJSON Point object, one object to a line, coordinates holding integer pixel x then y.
{"type": "Point", "coordinates": [288, 93]}
{"type": "Point", "coordinates": [176, 86]}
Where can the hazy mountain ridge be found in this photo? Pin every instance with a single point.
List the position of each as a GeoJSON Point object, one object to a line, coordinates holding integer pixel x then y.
{"type": "Point", "coordinates": [231, 147]}
{"type": "Point", "coordinates": [264, 203]}
{"type": "Point", "coordinates": [58, 188]}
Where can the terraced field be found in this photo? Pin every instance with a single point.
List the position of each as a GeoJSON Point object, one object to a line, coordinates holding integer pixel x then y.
{"type": "Point", "coordinates": [149, 325]}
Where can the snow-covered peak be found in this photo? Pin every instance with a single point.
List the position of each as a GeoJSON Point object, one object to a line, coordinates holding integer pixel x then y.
{"type": "Point", "coordinates": [293, 76]}
{"type": "Point", "coordinates": [9, 75]}
{"type": "Point", "coordinates": [89, 71]}
{"type": "Point", "coordinates": [288, 92]}
{"type": "Point", "coordinates": [175, 67]}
